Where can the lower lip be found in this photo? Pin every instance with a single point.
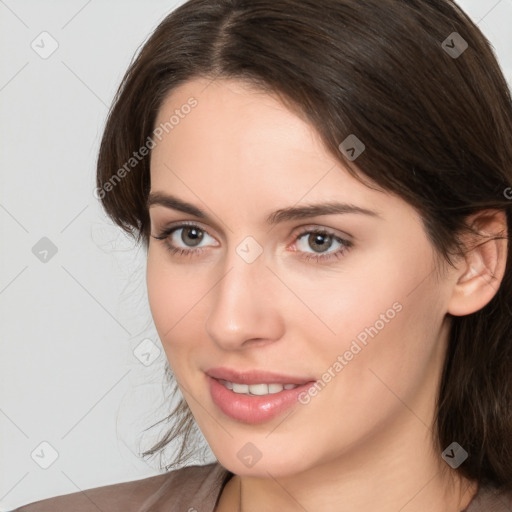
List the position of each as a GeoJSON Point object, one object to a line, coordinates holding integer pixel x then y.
{"type": "Point", "coordinates": [251, 408]}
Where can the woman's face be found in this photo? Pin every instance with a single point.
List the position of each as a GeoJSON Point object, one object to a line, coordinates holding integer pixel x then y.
{"type": "Point", "coordinates": [258, 280]}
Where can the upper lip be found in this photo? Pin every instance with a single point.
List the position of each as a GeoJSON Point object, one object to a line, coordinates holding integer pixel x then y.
{"type": "Point", "coordinates": [255, 376]}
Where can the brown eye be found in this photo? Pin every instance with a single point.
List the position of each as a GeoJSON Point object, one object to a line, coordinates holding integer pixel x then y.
{"type": "Point", "coordinates": [321, 246]}
{"type": "Point", "coordinates": [186, 240]}
{"type": "Point", "coordinates": [320, 242]}
{"type": "Point", "coordinates": [191, 236]}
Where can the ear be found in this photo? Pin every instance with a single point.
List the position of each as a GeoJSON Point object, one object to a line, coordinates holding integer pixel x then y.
{"type": "Point", "coordinates": [480, 272]}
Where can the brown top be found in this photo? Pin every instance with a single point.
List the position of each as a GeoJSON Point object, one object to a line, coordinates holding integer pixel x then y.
{"type": "Point", "coordinates": [189, 489]}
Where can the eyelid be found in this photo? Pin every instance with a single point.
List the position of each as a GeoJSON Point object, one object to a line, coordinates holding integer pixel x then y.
{"type": "Point", "coordinates": [336, 233]}
{"type": "Point", "coordinates": [168, 229]}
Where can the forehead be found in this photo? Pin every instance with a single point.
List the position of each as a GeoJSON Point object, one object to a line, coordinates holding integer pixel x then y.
{"type": "Point", "coordinates": [254, 126]}
{"type": "Point", "coordinates": [244, 145]}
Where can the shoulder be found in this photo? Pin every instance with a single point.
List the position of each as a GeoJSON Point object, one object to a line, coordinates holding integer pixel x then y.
{"type": "Point", "coordinates": [188, 488]}
{"type": "Point", "coordinates": [490, 499]}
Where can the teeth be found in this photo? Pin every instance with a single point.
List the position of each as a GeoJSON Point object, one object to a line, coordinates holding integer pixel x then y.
{"type": "Point", "coordinates": [257, 389]}
{"type": "Point", "coordinates": [240, 388]}
{"type": "Point", "coordinates": [276, 388]}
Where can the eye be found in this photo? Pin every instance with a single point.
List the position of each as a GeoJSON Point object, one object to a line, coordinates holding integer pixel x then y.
{"type": "Point", "coordinates": [313, 244]}
{"type": "Point", "coordinates": [191, 236]}
{"type": "Point", "coordinates": [321, 245]}
{"type": "Point", "coordinates": [185, 239]}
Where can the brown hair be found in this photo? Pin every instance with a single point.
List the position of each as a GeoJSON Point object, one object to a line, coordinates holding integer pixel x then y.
{"type": "Point", "coordinates": [437, 127]}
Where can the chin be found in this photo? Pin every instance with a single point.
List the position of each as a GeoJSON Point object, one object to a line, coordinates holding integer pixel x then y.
{"type": "Point", "coordinates": [250, 461]}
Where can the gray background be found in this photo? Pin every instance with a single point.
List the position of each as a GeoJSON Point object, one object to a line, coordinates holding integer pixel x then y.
{"type": "Point", "coordinates": [81, 364]}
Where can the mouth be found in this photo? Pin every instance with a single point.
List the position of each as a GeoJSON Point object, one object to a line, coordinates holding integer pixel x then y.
{"type": "Point", "coordinates": [254, 396]}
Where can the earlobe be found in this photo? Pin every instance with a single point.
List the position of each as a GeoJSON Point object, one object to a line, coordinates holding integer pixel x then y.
{"type": "Point", "coordinates": [481, 271]}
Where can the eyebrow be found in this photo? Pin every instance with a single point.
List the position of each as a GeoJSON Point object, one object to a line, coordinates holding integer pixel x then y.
{"type": "Point", "coordinates": [281, 215]}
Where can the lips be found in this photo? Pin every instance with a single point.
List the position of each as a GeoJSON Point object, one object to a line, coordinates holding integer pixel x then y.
{"type": "Point", "coordinates": [242, 405]}
{"type": "Point", "coordinates": [256, 377]}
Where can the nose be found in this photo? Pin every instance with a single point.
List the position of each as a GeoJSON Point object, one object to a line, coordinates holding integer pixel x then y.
{"type": "Point", "coordinates": [245, 310]}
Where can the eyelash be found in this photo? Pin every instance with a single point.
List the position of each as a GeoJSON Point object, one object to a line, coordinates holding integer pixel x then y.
{"type": "Point", "coordinates": [318, 258]}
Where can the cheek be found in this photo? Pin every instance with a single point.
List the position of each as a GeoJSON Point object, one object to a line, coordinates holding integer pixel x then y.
{"type": "Point", "coordinates": [346, 301]}
{"type": "Point", "coordinates": [383, 319]}
{"type": "Point", "coordinates": [174, 296]}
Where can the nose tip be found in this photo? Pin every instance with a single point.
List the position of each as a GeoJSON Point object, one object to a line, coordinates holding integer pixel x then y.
{"type": "Point", "coordinates": [244, 310]}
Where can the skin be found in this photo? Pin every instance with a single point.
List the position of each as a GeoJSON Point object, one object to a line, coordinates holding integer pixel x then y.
{"type": "Point", "coordinates": [365, 441]}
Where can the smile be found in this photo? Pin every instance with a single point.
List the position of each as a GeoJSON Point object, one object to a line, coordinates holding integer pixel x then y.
{"type": "Point", "coordinates": [256, 389]}
{"type": "Point", "coordinates": [254, 396]}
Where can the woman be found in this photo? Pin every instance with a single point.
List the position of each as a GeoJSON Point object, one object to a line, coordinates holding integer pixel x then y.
{"type": "Point", "coordinates": [323, 189]}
